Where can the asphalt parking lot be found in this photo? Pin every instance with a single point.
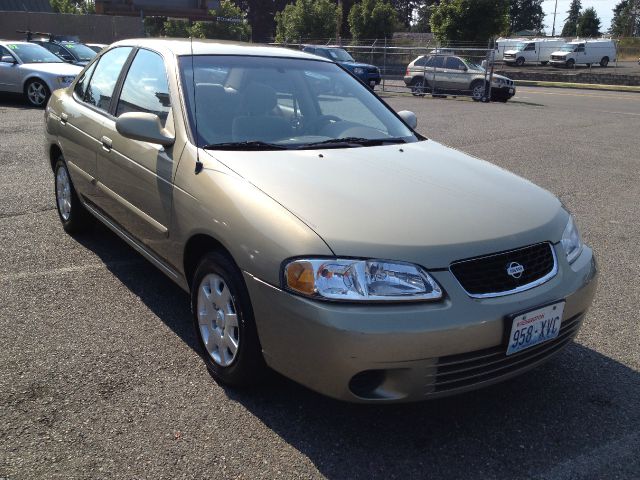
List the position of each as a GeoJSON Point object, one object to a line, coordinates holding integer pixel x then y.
{"type": "Point", "coordinates": [99, 378]}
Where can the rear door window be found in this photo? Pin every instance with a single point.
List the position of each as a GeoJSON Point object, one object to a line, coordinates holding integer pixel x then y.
{"type": "Point", "coordinates": [104, 78]}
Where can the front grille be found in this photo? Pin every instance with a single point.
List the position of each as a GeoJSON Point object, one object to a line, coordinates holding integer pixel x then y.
{"type": "Point", "coordinates": [488, 276]}
{"type": "Point", "coordinates": [467, 369]}
{"type": "Point", "coordinates": [509, 55]}
{"type": "Point", "coordinates": [556, 57]}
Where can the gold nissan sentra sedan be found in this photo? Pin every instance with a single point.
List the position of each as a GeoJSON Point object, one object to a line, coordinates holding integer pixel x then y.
{"type": "Point", "coordinates": [317, 232]}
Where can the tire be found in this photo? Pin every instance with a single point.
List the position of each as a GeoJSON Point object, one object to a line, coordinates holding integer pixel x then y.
{"type": "Point", "coordinates": [605, 61]}
{"type": "Point", "coordinates": [570, 63]}
{"type": "Point", "coordinates": [224, 322]}
{"type": "Point", "coordinates": [74, 217]}
{"type": "Point", "coordinates": [519, 61]}
{"type": "Point", "coordinates": [478, 91]}
{"type": "Point", "coordinates": [37, 93]}
{"type": "Point", "coordinates": [418, 87]}
{"type": "Point", "coordinates": [543, 63]}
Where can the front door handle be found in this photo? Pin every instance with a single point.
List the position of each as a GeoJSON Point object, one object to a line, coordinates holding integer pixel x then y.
{"type": "Point", "coordinates": [64, 118]}
{"type": "Point", "coordinates": [106, 143]}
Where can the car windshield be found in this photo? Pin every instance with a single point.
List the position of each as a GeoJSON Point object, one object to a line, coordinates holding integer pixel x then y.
{"type": "Point", "coordinates": [340, 55]}
{"type": "Point", "coordinates": [568, 48]}
{"type": "Point", "coordinates": [255, 103]}
{"type": "Point", "coordinates": [80, 51]}
{"type": "Point", "coordinates": [474, 66]}
{"type": "Point", "coordinates": [32, 53]}
{"type": "Point", "coordinates": [519, 47]}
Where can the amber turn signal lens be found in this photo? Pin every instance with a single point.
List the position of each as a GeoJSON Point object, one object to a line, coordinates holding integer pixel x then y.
{"type": "Point", "coordinates": [300, 277]}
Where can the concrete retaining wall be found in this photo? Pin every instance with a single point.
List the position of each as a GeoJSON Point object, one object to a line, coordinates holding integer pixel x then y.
{"type": "Point", "coordinates": [89, 28]}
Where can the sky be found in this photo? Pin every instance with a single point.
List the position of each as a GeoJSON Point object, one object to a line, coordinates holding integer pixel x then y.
{"type": "Point", "coordinates": [604, 8]}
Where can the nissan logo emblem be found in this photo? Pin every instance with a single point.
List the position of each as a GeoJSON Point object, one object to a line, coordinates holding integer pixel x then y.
{"type": "Point", "coordinates": [515, 269]}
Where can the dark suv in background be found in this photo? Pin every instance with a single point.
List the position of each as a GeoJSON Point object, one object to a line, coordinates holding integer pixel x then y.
{"type": "Point", "coordinates": [369, 74]}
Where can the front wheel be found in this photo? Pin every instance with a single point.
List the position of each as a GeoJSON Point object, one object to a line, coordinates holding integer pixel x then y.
{"type": "Point", "coordinates": [37, 93]}
{"type": "Point", "coordinates": [477, 91]}
{"type": "Point", "coordinates": [571, 63]}
{"type": "Point", "coordinates": [224, 323]}
{"type": "Point", "coordinates": [520, 61]}
{"type": "Point", "coordinates": [74, 217]}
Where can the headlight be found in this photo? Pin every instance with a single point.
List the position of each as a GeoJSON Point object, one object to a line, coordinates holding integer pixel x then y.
{"type": "Point", "coordinates": [571, 241]}
{"type": "Point", "coordinates": [66, 79]}
{"type": "Point", "coordinates": [359, 280]}
{"type": "Point", "coordinates": [358, 71]}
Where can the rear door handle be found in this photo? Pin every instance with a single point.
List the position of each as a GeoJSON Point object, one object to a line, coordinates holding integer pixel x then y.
{"type": "Point", "coordinates": [106, 143]}
{"type": "Point", "coordinates": [64, 118]}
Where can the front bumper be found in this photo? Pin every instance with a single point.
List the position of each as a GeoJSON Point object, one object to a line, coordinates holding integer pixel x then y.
{"type": "Point", "coordinates": [503, 92]}
{"type": "Point", "coordinates": [405, 349]}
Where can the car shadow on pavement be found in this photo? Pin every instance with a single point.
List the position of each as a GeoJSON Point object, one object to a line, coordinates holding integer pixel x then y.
{"type": "Point", "coordinates": [15, 100]}
{"type": "Point", "coordinates": [578, 411]}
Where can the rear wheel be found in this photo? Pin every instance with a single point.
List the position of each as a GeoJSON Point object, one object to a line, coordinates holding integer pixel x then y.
{"type": "Point", "coordinates": [37, 93]}
{"type": "Point", "coordinates": [418, 87]}
{"type": "Point", "coordinates": [544, 63]}
{"type": "Point", "coordinates": [74, 217]}
{"type": "Point", "coordinates": [224, 323]}
{"type": "Point", "coordinates": [604, 62]}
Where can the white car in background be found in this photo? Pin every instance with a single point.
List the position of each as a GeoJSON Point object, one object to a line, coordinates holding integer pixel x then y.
{"type": "Point", "coordinates": [536, 50]}
{"type": "Point", "coordinates": [33, 70]}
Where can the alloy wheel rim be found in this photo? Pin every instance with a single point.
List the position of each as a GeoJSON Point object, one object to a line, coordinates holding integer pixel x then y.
{"type": "Point", "coordinates": [36, 93]}
{"type": "Point", "coordinates": [63, 193]}
{"type": "Point", "coordinates": [218, 320]}
{"type": "Point", "coordinates": [478, 91]}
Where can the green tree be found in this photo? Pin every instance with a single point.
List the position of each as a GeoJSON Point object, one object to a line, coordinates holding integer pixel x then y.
{"type": "Point", "coordinates": [423, 14]}
{"type": "Point", "coordinates": [73, 6]}
{"type": "Point", "coordinates": [228, 24]}
{"type": "Point", "coordinates": [589, 23]}
{"type": "Point", "coordinates": [372, 19]}
{"type": "Point", "coordinates": [177, 28]}
{"type": "Point", "coordinates": [311, 19]}
{"type": "Point", "coordinates": [571, 22]}
{"type": "Point", "coordinates": [525, 15]}
{"type": "Point", "coordinates": [622, 22]}
{"type": "Point", "coordinates": [470, 20]}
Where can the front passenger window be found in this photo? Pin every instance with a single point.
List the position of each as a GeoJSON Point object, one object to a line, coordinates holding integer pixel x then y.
{"type": "Point", "coordinates": [105, 76]}
{"type": "Point", "coordinates": [145, 88]}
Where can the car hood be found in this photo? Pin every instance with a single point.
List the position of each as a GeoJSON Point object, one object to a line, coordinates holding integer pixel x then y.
{"type": "Point", "coordinates": [356, 64]}
{"type": "Point", "coordinates": [512, 51]}
{"type": "Point", "coordinates": [561, 52]}
{"type": "Point", "coordinates": [420, 202]}
{"type": "Point", "coordinates": [53, 68]}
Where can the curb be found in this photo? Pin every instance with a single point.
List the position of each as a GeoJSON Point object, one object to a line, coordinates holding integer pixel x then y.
{"type": "Point", "coordinates": [582, 86]}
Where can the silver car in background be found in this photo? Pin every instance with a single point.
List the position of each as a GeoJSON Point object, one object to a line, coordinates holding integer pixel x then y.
{"type": "Point", "coordinates": [443, 74]}
{"type": "Point", "coordinates": [33, 70]}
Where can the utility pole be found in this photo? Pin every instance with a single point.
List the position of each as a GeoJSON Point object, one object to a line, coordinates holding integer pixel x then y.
{"type": "Point", "coordinates": [555, 10]}
{"type": "Point", "coordinates": [339, 24]}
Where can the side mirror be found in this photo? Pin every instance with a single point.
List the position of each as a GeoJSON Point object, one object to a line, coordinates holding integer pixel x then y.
{"type": "Point", "coordinates": [409, 118]}
{"type": "Point", "coordinates": [145, 127]}
{"type": "Point", "coordinates": [7, 59]}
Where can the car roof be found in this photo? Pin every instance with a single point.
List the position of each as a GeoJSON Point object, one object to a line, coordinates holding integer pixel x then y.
{"type": "Point", "coordinates": [184, 46]}
{"type": "Point", "coordinates": [14, 42]}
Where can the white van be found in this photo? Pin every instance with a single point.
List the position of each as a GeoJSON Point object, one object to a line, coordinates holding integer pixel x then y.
{"type": "Point", "coordinates": [584, 52]}
{"type": "Point", "coordinates": [503, 44]}
{"type": "Point", "coordinates": [536, 50]}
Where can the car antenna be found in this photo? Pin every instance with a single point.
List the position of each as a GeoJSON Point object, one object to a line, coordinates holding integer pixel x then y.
{"type": "Point", "coordinates": [195, 110]}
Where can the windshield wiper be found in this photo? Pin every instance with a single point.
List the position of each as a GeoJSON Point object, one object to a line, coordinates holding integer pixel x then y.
{"type": "Point", "coordinates": [252, 145]}
{"type": "Point", "coordinates": [350, 142]}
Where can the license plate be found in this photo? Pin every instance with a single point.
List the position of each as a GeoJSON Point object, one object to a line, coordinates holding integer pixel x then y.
{"type": "Point", "coordinates": [511, 90]}
{"type": "Point", "coordinates": [534, 327]}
